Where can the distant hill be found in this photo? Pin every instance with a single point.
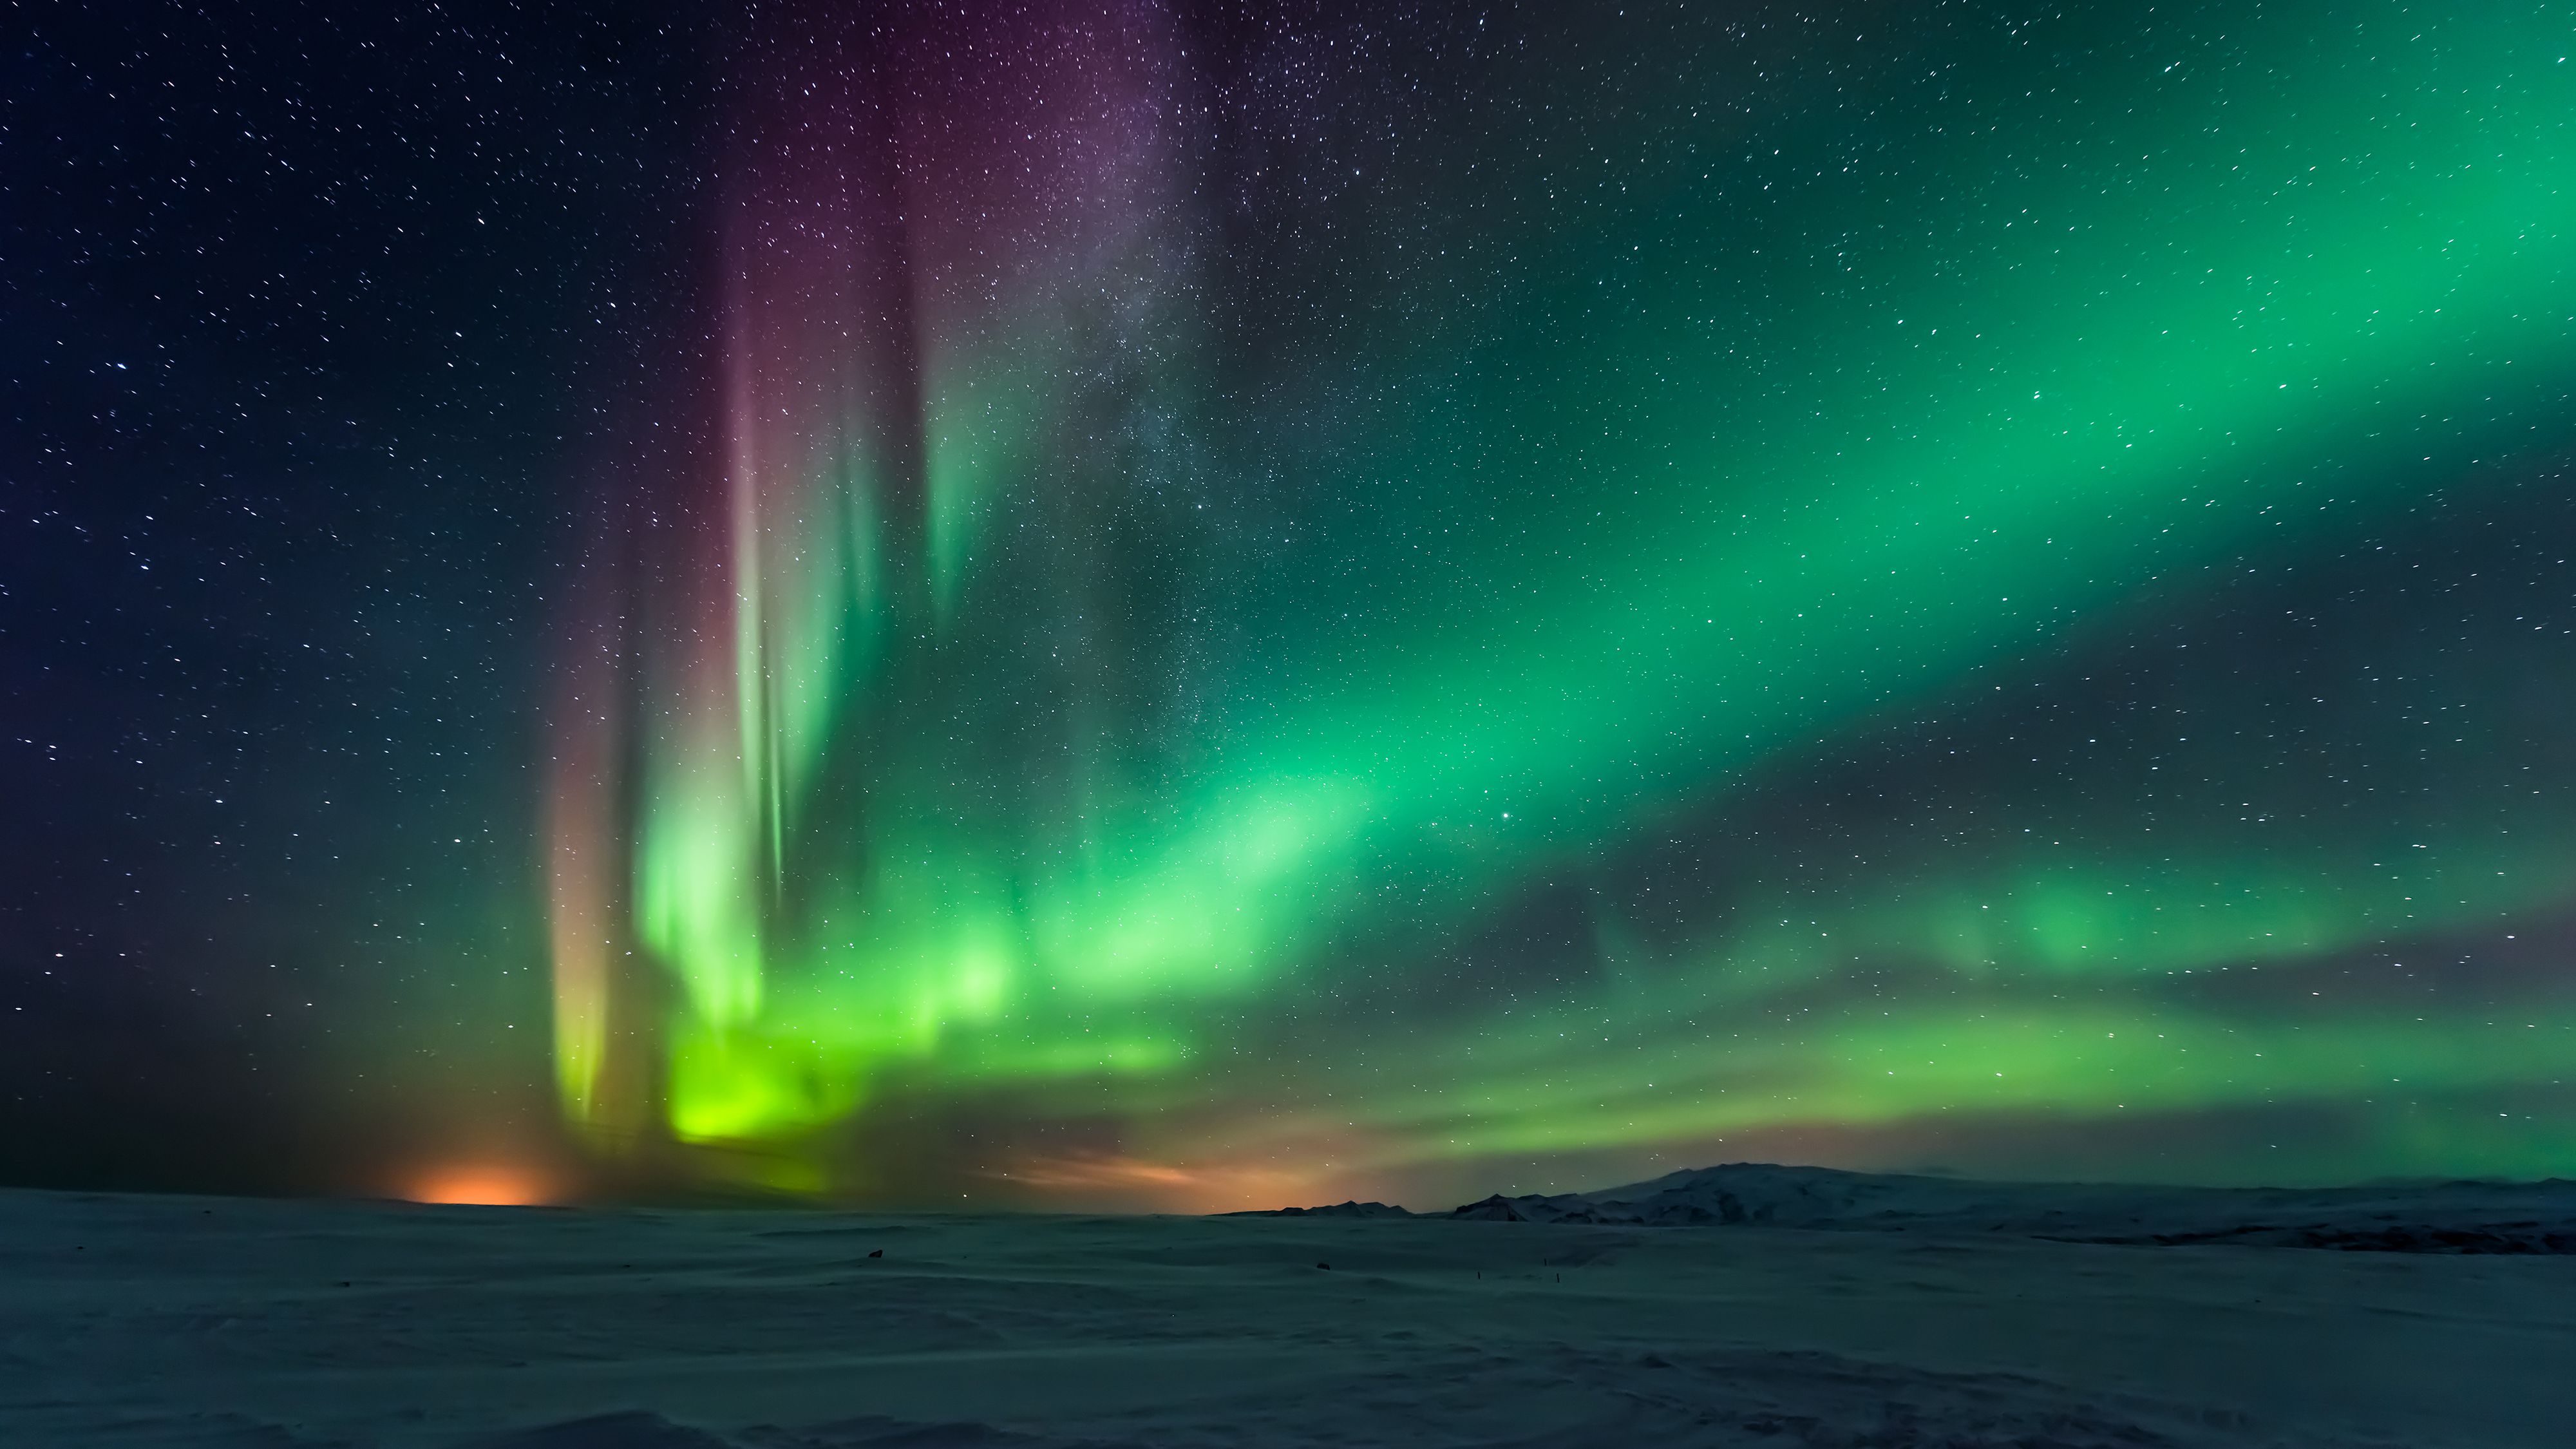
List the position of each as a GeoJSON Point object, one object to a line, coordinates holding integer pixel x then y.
{"type": "Point", "coordinates": [1337, 1210]}
{"type": "Point", "coordinates": [2418, 1217]}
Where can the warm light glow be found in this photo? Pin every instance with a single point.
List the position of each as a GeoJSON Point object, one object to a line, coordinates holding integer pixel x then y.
{"type": "Point", "coordinates": [1133, 1183]}
{"type": "Point", "coordinates": [480, 1184]}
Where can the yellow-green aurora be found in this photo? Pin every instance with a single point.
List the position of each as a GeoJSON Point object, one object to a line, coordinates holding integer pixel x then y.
{"type": "Point", "coordinates": [1362, 605]}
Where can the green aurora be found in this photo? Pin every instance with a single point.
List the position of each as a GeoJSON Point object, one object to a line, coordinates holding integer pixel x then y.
{"type": "Point", "coordinates": [1329, 607]}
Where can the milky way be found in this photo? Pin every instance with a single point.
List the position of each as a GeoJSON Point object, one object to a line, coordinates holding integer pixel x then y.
{"type": "Point", "coordinates": [1276, 605]}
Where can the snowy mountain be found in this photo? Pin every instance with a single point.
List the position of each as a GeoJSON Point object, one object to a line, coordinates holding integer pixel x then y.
{"type": "Point", "coordinates": [2469, 1217]}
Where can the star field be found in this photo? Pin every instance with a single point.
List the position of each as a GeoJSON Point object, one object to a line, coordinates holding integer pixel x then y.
{"type": "Point", "coordinates": [1205, 605]}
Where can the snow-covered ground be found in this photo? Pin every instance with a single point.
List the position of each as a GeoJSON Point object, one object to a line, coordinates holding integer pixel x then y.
{"type": "Point", "coordinates": [174, 1321]}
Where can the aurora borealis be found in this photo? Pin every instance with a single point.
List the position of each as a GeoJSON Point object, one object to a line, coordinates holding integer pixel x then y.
{"type": "Point", "coordinates": [1290, 604]}
{"type": "Point", "coordinates": [1210, 605]}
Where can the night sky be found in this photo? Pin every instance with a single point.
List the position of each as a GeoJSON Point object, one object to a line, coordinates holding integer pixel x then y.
{"type": "Point", "coordinates": [1206, 605]}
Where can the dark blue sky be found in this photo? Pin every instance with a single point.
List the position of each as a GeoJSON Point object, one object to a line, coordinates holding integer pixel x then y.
{"type": "Point", "coordinates": [306, 318]}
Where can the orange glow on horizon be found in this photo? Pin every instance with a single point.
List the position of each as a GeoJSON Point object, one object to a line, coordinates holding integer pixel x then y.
{"type": "Point", "coordinates": [1133, 1182]}
{"type": "Point", "coordinates": [481, 1184]}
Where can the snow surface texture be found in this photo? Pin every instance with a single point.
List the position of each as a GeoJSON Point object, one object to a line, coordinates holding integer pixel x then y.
{"type": "Point", "coordinates": [137, 1322]}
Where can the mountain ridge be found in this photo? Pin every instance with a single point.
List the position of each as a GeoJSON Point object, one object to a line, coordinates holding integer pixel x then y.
{"type": "Point", "coordinates": [2439, 1216]}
